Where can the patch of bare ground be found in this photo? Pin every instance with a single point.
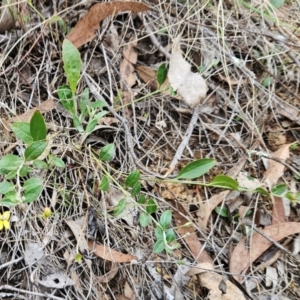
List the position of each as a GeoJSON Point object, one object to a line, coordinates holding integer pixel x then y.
{"type": "Point", "coordinates": [233, 244]}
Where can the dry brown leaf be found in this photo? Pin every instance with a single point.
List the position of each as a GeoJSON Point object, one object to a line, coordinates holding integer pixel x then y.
{"type": "Point", "coordinates": [128, 291]}
{"type": "Point", "coordinates": [189, 235]}
{"type": "Point", "coordinates": [45, 106]}
{"type": "Point", "coordinates": [85, 29]}
{"type": "Point", "coordinates": [191, 86]}
{"type": "Point", "coordinates": [275, 169]}
{"type": "Point", "coordinates": [127, 64]}
{"type": "Point", "coordinates": [109, 254]}
{"type": "Point", "coordinates": [207, 207]}
{"type": "Point", "coordinates": [241, 257]}
{"type": "Point", "coordinates": [211, 281]}
{"type": "Point", "coordinates": [278, 212]}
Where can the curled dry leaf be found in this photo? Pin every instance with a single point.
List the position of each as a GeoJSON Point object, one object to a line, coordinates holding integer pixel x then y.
{"type": "Point", "coordinates": [109, 254]}
{"type": "Point", "coordinates": [191, 86]}
{"type": "Point", "coordinates": [241, 257]}
{"type": "Point", "coordinates": [85, 29]}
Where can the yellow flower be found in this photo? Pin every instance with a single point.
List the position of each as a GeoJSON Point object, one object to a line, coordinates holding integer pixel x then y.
{"type": "Point", "coordinates": [4, 220]}
{"type": "Point", "coordinates": [47, 213]}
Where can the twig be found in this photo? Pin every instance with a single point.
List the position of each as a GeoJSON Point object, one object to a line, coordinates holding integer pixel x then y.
{"type": "Point", "coordinates": [185, 139]}
{"type": "Point", "coordinates": [124, 123]}
{"type": "Point", "coordinates": [11, 288]}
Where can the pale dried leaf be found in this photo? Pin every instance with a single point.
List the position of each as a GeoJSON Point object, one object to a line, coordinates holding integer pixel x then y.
{"type": "Point", "coordinates": [33, 253]}
{"type": "Point", "coordinates": [127, 64]}
{"type": "Point", "coordinates": [128, 291]}
{"type": "Point", "coordinates": [271, 277]}
{"type": "Point", "coordinates": [58, 280]}
{"type": "Point", "coordinates": [86, 28]}
{"type": "Point", "coordinates": [278, 213]}
{"type": "Point", "coordinates": [191, 86]}
{"type": "Point", "coordinates": [112, 38]}
{"type": "Point", "coordinates": [109, 254]}
{"type": "Point", "coordinates": [244, 181]}
{"type": "Point", "coordinates": [241, 257]}
{"type": "Point", "coordinates": [110, 274]}
{"type": "Point", "coordinates": [275, 169]}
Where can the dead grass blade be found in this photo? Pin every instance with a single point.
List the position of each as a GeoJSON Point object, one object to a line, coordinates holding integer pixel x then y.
{"type": "Point", "coordinates": [85, 29]}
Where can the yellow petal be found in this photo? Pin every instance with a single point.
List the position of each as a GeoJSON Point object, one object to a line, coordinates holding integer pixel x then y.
{"type": "Point", "coordinates": [6, 224]}
{"type": "Point", "coordinates": [1, 225]}
{"type": "Point", "coordinates": [6, 215]}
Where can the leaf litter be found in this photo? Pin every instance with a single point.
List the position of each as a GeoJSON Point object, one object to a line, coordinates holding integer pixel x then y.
{"type": "Point", "coordinates": [252, 93]}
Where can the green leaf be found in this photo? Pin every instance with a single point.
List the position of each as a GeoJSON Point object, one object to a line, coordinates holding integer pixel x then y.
{"type": "Point", "coordinates": [159, 246]}
{"type": "Point", "coordinates": [33, 188]}
{"type": "Point", "coordinates": [142, 199]}
{"type": "Point", "coordinates": [6, 187]}
{"type": "Point", "coordinates": [277, 3]}
{"type": "Point", "coordinates": [98, 104]}
{"type": "Point", "coordinates": [25, 170]}
{"type": "Point", "coordinates": [11, 175]}
{"type": "Point", "coordinates": [84, 101]}
{"type": "Point", "coordinates": [22, 132]}
{"type": "Point", "coordinates": [120, 207]}
{"type": "Point", "coordinates": [159, 233]}
{"type": "Point", "coordinates": [279, 189]}
{"type": "Point", "coordinates": [38, 128]}
{"type": "Point", "coordinates": [104, 184]}
{"type": "Point", "coordinates": [136, 189]}
{"type": "Point", "coordinates": [39, 164]}
{"type": "Point", "coordinates": [132, 178]}
{"type": "Point", "coordinates": [35, 150]}
{"type": "Point", "coordinates": [196, 168]}
{"type": "Point", "coordinates": [77, 123]}
{"type": "Point", "coordinates": [92, 123]}
{"type": "Point", "coordinates": [107, 152]}
{"type": "Point", "coordinates": [262, 191]}
{"type": "Point", "coordinates": [9, 199]}
{"type": "Point", "coordinates": [144, 219]}
{"type": "Point", "coordinates": [165, 219]}
{"type": "Point", "coordinates": [11, 162]}
{"type": "Point", "coordinates": [170, 235]}
{"type": "Point", "coordinates": [66, 98]}
{"type": "Point", "coordinates": [162, 73]}
{"type": "Point", "coordinates": [223, 181]}
{"type": "Point", "coordinates": [58, 162]}
{"type": "Point", "coordinates": [72, 64]}
{"type": "Point", "coordinates": [151, 206]}
{"type": "Point", "coordinates": [222, 211]}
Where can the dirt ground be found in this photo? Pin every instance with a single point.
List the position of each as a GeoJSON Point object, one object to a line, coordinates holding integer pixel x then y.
{"type": "Point", "coordinates": [225, 119]}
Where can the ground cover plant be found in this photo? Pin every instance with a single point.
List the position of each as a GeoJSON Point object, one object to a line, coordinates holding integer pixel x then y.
{"type": "Point", "coordinates": [149, 150]}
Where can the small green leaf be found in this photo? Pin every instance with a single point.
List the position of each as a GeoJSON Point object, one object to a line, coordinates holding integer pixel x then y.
{"type": "Point", "coordinates": [159, 246]}
{"type": "Point", "coordinates": [262, 191]}
{"type": "Point", "coordinates": [9, 199]}
{"type": "Point", "coordinates": [267, 81]}
{"type": "Point", "coordinates": [277, 3]}
{"type": "Point", "coordinates": [11, 175]}
{"type": "Point", "coordinates": [159, 233]}
{"type": "Point", "coordinates": [98, 104]}
{"type": "Point", "coordinates": [107, 152]}
{"type": "Point", "coordinates": [151, 206]}
{"type": "Point", "coordinates": [165, 219]}
{"type": "Point", "coordinates": [104, 184]}
{"type": "Point", "coordinates": [10, 162]}
{"type": "Point", "coordinates": [279, 189]}
{"type": "Point", "coordinates": [39, 164]}
{"type": "Point", "coordinates": [222, 211]}
{"type": "Point", "coordinates": [33, 188]}
{"type": "Point", "coordinates": [120, 207]}
{"type": "Point", "coordinates": [92, 123]}
{"type": "Point", "coordinates": [77, 123]}
{"type": "Point", "coordinates": [6, 187]}
{"type": "Point", "coordinates": [162, 73]}
{"type": "Point", "coordinates": [144, 219]}
{"type": "Point", "coordinates": [136, 189]}
{"type": "Point", "coordinates": [66, 98]}
{"type": "Point", "coordinates": [38, 128]}
{"type": "Point", "coordinates": [22, 132]}
{"type": "Point", "coordinates": [35, 150]}
{"type": "Point", "coordinates": [170, 235]}
{"type": "Point", "coordinates": [84, 101]}
{"type": "Point", "coordinates": [142, 199]}
{"type": "Point", "coordinates": [72, 63]}
{"type": "Point", "coordinates": [196, 168]}
{"type": "Point", "coordinates": [132, 178]}
{"type": "Point", "coordinates": [58, 162]}
{"type": "Point", "coordinates": [223, 181]}
{"type": "Point", "coordinates": [25, 170]}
